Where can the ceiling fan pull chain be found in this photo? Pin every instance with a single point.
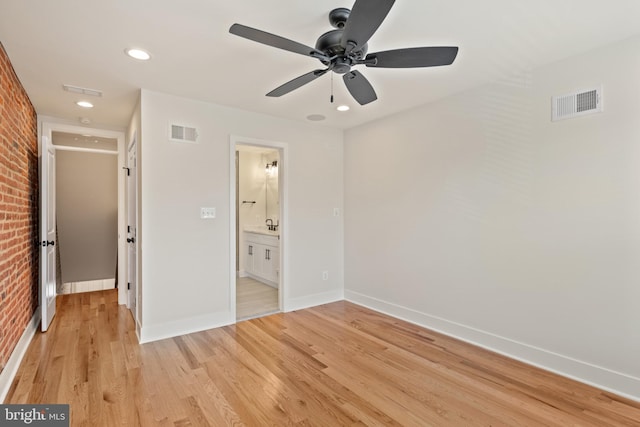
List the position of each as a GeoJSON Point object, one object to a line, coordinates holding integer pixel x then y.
{"type": "Point", "coordinates": [332, 88]}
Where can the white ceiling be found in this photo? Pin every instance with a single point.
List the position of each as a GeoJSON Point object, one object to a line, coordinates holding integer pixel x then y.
{"type": "Point", "coordinates": [82, 43]}
{"type": "Point", "coordinates": [84, 141]}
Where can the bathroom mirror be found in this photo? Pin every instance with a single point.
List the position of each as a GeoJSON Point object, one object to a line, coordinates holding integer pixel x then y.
{"type": "Point", "coordinates": [272, 199]}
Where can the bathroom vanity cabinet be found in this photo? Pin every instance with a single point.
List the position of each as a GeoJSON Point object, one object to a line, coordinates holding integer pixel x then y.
{"type": "Point", "coordinates": [262, 257]}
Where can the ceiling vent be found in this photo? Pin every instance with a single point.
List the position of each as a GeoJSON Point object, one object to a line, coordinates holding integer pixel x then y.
{"type": "Point", "coordinates": [82, 90]}
{"type": "Point", "coordinates": [577, 104]}
{"type": "Point", "coordinates": [180, 133]}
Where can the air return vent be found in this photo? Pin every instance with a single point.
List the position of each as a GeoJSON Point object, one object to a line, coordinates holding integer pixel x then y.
{"type": "Point", "coordinates": [82, 90]}
{"type": "Point", "coordinates": [181, 133]}
{"type": "Point", "coordinates": [577, 104]}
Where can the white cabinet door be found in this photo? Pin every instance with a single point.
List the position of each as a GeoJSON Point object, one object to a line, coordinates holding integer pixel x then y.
{"type": "Point", "coordinates": [270, 262]}
{"type": "Point", "coordinates": [262, 257]}
{"type": "Point", "coordinates": [249, 257]}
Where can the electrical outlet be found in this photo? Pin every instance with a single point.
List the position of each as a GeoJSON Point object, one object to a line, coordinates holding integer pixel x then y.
{"type": "Point", "coordinates": [325, 275]}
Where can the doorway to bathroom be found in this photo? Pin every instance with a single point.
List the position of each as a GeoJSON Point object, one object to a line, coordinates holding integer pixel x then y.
{"type": "Point", "coordinates": [258, 229]}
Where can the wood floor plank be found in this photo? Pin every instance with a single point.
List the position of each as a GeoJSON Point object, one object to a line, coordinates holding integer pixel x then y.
{"type": "Point", "coordinates": [254, 298]}
{"type": "Point", "coordinates": [332, 365]}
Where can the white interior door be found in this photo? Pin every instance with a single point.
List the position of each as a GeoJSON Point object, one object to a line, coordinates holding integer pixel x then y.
{"type": "Point", "coordinates": [47, 231]}
{"type": "Point", "coordinates": [132, 198]}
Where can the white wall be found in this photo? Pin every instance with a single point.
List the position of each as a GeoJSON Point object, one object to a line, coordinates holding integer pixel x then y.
{"type": "Point", "coordinates": [185, 261]}
{"type": "Point", "coordinates": [478, 216]}
{"type": "Point", "coordinates": [87, 215]}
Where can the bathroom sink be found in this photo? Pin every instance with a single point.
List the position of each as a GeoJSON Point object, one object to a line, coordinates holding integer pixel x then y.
{"type": "Point", "coordinates": [260, 229]}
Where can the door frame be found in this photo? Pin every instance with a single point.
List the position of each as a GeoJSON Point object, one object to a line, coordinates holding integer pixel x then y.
{"type": "Point", "coordinates": [283, 189]}
{"type": "Point", "coordinates": [131, 212]}
{"type": "Point", "coordinates": [46, 126]}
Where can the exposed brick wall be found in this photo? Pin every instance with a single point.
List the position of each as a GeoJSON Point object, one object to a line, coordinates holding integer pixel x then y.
{"type": "Point", "coordinates": [18, 209]}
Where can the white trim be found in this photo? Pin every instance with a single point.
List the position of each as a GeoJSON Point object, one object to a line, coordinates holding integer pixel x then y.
{"type": "Point", "coordinates": [11, 368]}
{"type": "Point", "coordinates": [597, 376]}
{"type": "Point", "coordinates": [84, 150]}
{"type": "Point", "coordinates": [313, 300]}
{"type": "Point", "coordinates": [184, 326]}
{"type": "Point", "coordinates": [283, 182]}
{"type": "Point", "coordinates": [88, 286]}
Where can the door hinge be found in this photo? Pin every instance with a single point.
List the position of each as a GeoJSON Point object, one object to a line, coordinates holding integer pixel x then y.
{"type": "Point", "coordinates": [128, 229]}
{"type": "Point", "coordinates": [128, 286]}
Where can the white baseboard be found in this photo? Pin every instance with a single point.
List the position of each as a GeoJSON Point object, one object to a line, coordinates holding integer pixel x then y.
{"type": "Point", "coordinates": [210, 321]}
{"type": "Point", "coordinates": [88, 286]}
{"type": "Point", "coordinates": [184, 326]}
{"type": "Point", "coordinates": [262, 280]}
{"type": "Point", "coordinates": [597, 376]}
{"type": "Point", "coordinates": [11, 369]}
{"type": "Point", "coordinates": [292, 304]}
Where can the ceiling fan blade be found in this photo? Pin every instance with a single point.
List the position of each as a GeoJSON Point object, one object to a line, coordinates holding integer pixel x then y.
{"type": "Point", "coordinates": [412, 57]}
{"type": "Point", "coordinates": [364, 19]}
{"type": "Point", "coordinates": [359, 87]}
{"type": "Point", "coordinates": [275, 41]}
{"type": "Point", "coordinates": [296, 83]}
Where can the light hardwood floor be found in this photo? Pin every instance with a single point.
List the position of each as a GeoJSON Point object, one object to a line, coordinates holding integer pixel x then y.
{"type": "Point", "coordinates": [254, 298]}
{"type": "Point", "coordinates": [333, 365]}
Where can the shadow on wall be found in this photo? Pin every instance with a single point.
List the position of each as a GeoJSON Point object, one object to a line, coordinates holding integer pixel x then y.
{"type": "Point", "coordinates": [34, 201]}
{"type": "Point", "coordinates": [87, 215]}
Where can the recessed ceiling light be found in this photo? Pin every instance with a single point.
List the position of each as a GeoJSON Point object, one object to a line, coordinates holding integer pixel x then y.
{"type": "Point", "coordinates": [316, 117]}
{"type": "Point", "coordinates": [84, 104]}
{"type": "Point", "coordinates": [138, 54]}
{"type": "Point", "coordinates": [343, 108]}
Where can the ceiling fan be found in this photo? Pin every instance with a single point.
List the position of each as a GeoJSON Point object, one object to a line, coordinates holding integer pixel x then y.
{"type": "Point", "coordinates": [346, 46]}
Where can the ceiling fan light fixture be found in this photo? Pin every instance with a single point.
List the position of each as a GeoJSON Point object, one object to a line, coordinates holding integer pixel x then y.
{"type": "Point", "coordinates": [139, 54]}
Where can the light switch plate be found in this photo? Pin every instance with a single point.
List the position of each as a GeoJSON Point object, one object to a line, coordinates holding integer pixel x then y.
{"type": "Point", "coordinates": [207, 213]}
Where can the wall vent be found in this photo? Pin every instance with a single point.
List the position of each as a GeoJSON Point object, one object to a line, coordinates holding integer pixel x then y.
{"type": "Point", "coordinates": [183, 133]}
{"type": "Point", "coordinates": [577, 104]}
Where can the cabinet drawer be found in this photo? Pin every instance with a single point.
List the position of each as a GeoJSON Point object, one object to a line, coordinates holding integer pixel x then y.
{"type": "Point", "coordinates": [261, 239]}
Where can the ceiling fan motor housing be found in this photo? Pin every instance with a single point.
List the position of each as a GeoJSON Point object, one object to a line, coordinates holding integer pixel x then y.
{"type": "Point", "coordinates": [331, 44]}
